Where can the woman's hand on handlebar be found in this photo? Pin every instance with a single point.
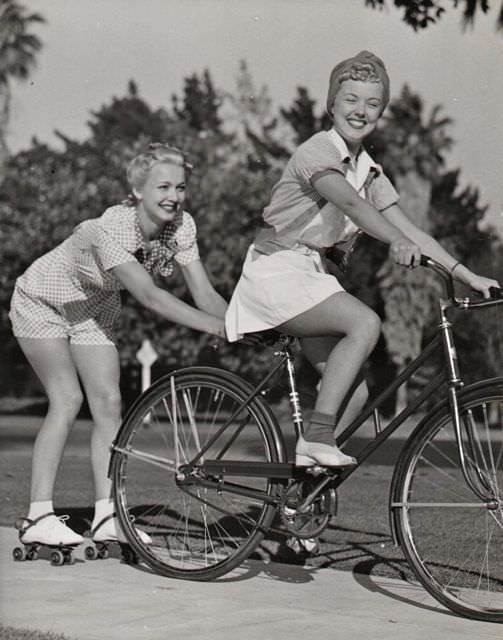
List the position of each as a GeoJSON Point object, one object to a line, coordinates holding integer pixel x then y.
{"type": "Point", "coordinates": [405, 252]}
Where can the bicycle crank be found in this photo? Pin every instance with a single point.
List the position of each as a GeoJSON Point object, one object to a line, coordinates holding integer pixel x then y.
{"type": "Point", "coordinates": [309, 522]}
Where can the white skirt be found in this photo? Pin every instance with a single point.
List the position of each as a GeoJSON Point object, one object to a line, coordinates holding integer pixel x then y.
{"type": "Point", "coordinates": [275, 288]}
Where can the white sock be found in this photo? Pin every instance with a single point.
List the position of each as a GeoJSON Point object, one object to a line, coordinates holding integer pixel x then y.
{"type": "Point", "coordinates": [39, 508]}
{"type": "Point", "coordinates": [102, 509]}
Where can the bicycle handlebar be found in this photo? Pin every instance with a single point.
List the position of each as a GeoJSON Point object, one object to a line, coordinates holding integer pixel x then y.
{"type": "Point", "coordinates": [496, 293]}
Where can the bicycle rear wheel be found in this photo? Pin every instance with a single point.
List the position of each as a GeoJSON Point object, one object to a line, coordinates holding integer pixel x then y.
{"type": "Point", "coordinates": [453, 540]}
{"type": "Point", "coordinates": [198, 532]}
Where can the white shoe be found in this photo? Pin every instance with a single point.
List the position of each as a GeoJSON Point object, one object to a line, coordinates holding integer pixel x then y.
{"type": "Point", "coordinates": [50, 530]}
{"type": "Point", "coordinates": [108, 530]}
{"type": "Point", "coordinates": [308, 454]}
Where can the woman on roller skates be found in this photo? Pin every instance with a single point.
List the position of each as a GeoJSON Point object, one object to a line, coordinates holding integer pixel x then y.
{"type": "Point", "coordinates": [64, 312]}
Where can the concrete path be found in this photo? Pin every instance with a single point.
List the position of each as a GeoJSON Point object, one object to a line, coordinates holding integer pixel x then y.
{"type": "Point", "coordinates": [109, 600]}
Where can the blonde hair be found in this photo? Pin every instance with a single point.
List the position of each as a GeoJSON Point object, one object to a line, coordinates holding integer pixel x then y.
{"type": "Point", "coordinates": [157, 153]}
{"type": "Point", "coordinates": [364, 66]}
{"type": "Point", "coordinates": [360, 71]}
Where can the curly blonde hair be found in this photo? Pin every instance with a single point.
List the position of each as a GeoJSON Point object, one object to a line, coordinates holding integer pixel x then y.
{"type": "Point", "coordinates": [157, 153]}
{"type": "Point", "coordinates": [364, 66]}
{"type": "Point", "coordinates": [364, 71]}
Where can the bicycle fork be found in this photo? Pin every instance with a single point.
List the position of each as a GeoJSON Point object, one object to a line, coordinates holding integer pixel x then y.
{"type": "Point", "coordinates": [475, 479]}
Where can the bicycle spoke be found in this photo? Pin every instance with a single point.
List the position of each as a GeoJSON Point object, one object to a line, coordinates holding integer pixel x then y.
{"type": "Point", "coordinates": [453, 540]}
{"type": "Point", "coordinates": [197, 531]}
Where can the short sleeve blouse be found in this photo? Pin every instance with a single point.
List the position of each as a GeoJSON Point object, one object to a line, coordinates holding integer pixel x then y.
{"type": "Point", "coordinates": [116, 238]}
{"type": "Point", "coordinates": [297, 213]}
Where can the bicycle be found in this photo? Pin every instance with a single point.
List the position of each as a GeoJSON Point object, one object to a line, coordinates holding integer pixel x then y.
{"type": "Point", "coordinates": [200, 463]}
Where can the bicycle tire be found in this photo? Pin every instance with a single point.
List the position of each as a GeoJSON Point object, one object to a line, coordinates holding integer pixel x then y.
{"type": "Point", "coordinates": [197, 533]}
{"type": "Point", "coordinates": [452, 540]}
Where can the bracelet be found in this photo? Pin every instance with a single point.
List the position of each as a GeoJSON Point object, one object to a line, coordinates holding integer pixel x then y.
{"type": "Point", "coordinates": [454, 266]}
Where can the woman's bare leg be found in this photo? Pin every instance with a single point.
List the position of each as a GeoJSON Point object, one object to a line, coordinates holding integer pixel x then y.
{"type": "Point", "coordinates": [356, 328]}
{"type": "Point", "coordinates": [317, 351]}
{"type": "Point", "coordinates": [52, 362]}
{"type": "Point", "coordinates": [99, 370]}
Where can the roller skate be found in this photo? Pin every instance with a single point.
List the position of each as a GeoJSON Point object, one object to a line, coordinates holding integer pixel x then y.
{"type": "Point", "coordinates": [105, 535]}
{"type": "Point", "coordinates": [47, 531]}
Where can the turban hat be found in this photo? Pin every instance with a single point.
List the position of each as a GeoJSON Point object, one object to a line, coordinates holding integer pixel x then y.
{"type": "Point", "coordinates": [365, 58]}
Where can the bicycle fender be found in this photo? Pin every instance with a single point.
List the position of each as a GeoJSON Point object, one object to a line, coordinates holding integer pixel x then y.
{"type": "Point", "coordinates": [434, 414]}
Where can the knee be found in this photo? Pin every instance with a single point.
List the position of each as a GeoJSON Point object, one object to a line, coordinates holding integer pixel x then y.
{"type": "Point", "coordinates": [374, 326]}
{"type": "Point", "coordinates": [67, 404]}
{"type": "Point", "coordinates": [105, 405]}
{"type": "Point", "coordinates": [368, 327]}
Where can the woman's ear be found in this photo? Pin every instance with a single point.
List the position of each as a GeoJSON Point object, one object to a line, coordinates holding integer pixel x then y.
{"type": "Point", "coordinates": [137, 194]}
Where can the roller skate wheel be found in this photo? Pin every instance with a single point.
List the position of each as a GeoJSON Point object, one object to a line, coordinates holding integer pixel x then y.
{"type": "Point", "coordinates": [128, 555]}
{"type": "Point", "coordinates": [19, 554]}
{"type": "Point", "coordinates": [68, 557]}
{"type": "Point", "coordinates": [57, 558]}
{"type": "Point", "coordinates": [103, 552]}
{"type": "Point", "coordinates": [90, 553]}
{"type": "Point", "coordinates": [32, 554]}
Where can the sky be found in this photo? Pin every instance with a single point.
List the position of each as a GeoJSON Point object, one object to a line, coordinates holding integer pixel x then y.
{"type": "Point", "coordinates": [92, 48]}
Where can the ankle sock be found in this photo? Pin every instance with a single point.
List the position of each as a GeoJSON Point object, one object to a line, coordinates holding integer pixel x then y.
{"type": "Point", "coordinates": [321, 428]}
{"type": "Point", "coordinates": [102, 508]}
{"type": "Point", "coordinates": [39, 508]}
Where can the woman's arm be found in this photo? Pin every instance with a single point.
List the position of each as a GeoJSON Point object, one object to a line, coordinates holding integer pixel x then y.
{"type": "Point", "coordinates": [430, 247]}
{"type": "Point", "coordinates": [139, 283]}
{"type": "Point", "coordinates": [201, 289]}
{"type": "Point", "coordinates": [334, 188]}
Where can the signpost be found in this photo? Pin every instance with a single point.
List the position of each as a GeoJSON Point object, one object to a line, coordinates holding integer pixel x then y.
{"type": "Point", "coordinates": [146, 356]}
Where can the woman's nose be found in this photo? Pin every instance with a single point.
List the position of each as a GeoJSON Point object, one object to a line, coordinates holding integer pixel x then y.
{"type": "Point", "coordinates": [360, 108]}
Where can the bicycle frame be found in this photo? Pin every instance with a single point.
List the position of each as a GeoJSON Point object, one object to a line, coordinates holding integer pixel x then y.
{"type": "Point", "coordinates": [450, 375]}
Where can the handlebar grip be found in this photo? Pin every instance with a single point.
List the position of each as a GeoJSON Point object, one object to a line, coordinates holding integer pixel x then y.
{"type": "Point", "coordinates": [496, 293]}
{"type": "Point", "coordinates": [424, 261]}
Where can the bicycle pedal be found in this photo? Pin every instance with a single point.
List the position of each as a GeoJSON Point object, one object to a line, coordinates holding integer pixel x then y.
{"type": "Point", "coordinates": [317, 470]}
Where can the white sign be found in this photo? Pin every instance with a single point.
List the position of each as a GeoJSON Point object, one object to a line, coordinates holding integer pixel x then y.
{"type": "Point", "coordinates": [146, 355]}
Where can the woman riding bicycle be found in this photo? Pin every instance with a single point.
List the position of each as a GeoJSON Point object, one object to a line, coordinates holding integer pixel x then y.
{"type": "Point", "coordinates": [329, 189]}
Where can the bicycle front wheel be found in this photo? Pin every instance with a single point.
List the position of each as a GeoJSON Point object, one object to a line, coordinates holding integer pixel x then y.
{"type": "Point", "coordinates": [452, 539]}
{"type": "Point", "coordinates": [198, 531]}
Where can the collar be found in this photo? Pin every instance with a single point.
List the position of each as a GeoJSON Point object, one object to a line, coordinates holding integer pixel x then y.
{"type": "Point", "coordinates": [165, 234]}
{"type": "Point", "coordinates": [364, 163]}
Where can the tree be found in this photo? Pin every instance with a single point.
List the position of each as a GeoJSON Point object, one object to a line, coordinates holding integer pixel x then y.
{"type": "Point", "coordinates": [420, 14]}
{"type": "Point", "coordinates": [302, 118]}
{"type": "Point", "coordinates": [125, 119]}
{"type": "Point", "coordinates": [18, 50]}
{"type": "Point", "coordinates": [200, 103]}
{"type": "Point", "coordinates": [46, 192]}
{"type": "Point", "coordinates": [456, 216]}
{"type": "Point", "coordinates": [265, 139]}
